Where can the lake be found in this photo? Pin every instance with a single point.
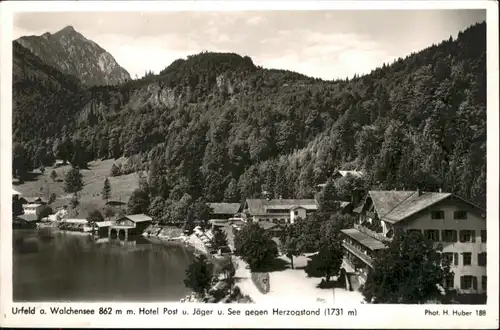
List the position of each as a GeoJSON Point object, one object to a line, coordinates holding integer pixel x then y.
{"type": "Point", "coordinates": [59, 266]}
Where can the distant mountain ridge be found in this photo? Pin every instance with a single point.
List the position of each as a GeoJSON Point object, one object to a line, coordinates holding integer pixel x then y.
{"type": "Point", "coordinates": [222, 128]}
{"type": "Point", "coordinates": [71, 53]}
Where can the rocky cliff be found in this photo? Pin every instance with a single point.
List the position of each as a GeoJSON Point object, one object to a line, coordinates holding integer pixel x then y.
{"type": "Point", "coordinates": [71, 53]}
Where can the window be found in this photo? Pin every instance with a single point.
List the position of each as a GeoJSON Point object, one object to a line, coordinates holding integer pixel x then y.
{"type": "Point", "coordinates": [448, 257]}
{"type": "Point", "coordinates": [449, 281]}
{"type": "Point", "coordinates": [483, 236]}
{"type": "Point", "coordinates": [449, 235]}
{"type": "Point", "coordinates": [437, 215]}
{"type": "Point", "coordinates": [296, 212]}
{"type": "Point", "coordinates": [481, 259]}
{"type": "Point", "coordinates": [466, 282]}
{"type": "Point", "coordinates": [483, 282]}
{"type": "Point", "coordinates": [467, 236]}
{"type": "Point", "coordinates": [460, 215]}
{"type": "Point", "coordinates": [467, 258]}
{"type": "Point", "coordinates": [432, 234]}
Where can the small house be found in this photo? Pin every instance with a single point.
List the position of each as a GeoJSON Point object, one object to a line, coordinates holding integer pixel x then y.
{"type": "Point", "coordinates": [102, 227]}
{"type": "Point", "coordinates": [133, 224]}
{"type": "Point", "coordinates": [278, 210]}
{"type": "Point", "coordinates": [32, 208]}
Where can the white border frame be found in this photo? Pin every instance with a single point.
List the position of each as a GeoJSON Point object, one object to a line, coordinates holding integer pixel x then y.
{"type": "Point", "coordinates": [372, 316]}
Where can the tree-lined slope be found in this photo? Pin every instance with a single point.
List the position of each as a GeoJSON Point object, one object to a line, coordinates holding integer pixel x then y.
{"type": "Point", "coordinates": [221, 127]}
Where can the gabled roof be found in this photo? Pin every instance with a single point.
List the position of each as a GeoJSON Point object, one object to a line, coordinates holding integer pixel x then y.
{"type": "Point", "coordinates": [260, 206]}
{"type": "Point", "coordinates": [224, 208]}
{"type": "Point", "coordinates": [28, 217]}
{"type": "Point", "coordinates": [138, 217]}
{"type": "Point", "coordinates": [393, 206]}
{"type": "Point", "coordinates": [266, 225]}
{"type": "Point", "coordinates": [104, 223]}
{"type": "Point", "coordinates": [344, 204]}
{"type": "Point", "coordinates": [76, 221]}
{"type": "Point", "coordinates": [358, 174]}
{"type": "Point", "coordinates": [32, 205]}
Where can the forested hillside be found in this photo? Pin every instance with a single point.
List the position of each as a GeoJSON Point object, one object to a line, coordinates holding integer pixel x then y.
{"type": "Point", "coordinates": [218, 126]}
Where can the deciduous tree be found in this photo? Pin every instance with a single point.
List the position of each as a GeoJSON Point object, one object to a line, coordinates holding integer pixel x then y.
{"type": "Point", "coordinates": [407, 272]}
{"type": "Point", "coordinates": [255, 246]}
{"type": "Point", "coordinates": [138, 202]}
{"type": "Point", "coordinates": [73, 182]}
{"type": "Point", "coordinates": [199, 275]}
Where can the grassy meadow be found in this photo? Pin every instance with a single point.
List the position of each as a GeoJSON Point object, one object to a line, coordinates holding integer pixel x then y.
{"type": "Point", "coordinates": [90, 197]}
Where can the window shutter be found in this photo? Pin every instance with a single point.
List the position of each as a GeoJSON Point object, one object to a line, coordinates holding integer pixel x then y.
{"type": "Point", "coordinates": [454, 236]}
{"type": "Point", "coordinates": [473, 235]}
{"type": "Point", "coordinates": [455, 258]}
{"type": "Point", "coordinates": [462, 282]}
{"type": "Point", "coordinates": [474, 282]}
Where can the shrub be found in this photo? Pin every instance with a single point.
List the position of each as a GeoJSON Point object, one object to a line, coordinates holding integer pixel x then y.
{"type": "Point", "coordinates": [115, 170]}
{"type": "Point", "coordinates": [313, 267]}
{"type": "Point", "coordinates": [52, 198]}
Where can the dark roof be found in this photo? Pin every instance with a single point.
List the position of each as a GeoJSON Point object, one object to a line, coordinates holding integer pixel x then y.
{"type": "Point", "coordinates": [224, 208]}
{"type": "Point", "coordinates": [393, 206]}
{"type": "Point", "coordinates": [260, 206]}
{"type": "Point", "coordinates": [266, 225]}
{"type": "Point", "coordinates": [362, 238]}
{"type": "Point", "coordinates": [28, 217]}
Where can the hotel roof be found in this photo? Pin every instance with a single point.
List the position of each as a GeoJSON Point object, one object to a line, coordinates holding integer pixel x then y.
{"type": "Point", "coordinates": [393, 206]}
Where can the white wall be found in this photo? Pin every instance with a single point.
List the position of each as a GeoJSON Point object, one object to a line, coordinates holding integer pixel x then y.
{"type": "Point", "coordinates": [474, 221]}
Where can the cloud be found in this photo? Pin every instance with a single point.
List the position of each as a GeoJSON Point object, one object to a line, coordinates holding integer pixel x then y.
{"type": "Point", "coordinates": [254, 20]}
{"type": "Point", "coordinates": [326, 44]}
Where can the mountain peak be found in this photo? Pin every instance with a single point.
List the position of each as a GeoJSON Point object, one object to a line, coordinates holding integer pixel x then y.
{"type": "Point", "coordinates": [66, 31]}
{"type": "Point", "coordinates": [68, 28]}
{"type": "Point", "coordinates": [70, 52]}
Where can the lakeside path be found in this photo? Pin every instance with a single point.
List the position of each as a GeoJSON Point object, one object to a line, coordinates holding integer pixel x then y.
{"type": "Point", "coordinates": [290, 286]}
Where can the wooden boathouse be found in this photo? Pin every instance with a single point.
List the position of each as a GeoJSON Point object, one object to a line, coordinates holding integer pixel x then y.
{"type": "Point", "coordinates": [129, 225]}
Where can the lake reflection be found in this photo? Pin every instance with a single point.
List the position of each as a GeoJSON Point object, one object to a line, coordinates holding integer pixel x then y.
{"type": "Point", "coordinates": [71, 267]}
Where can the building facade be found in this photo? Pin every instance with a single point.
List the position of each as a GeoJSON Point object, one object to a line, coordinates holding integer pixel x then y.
{"type": "Point", "coordinates": [280, 211]}
{"type": "Point", "coordinates": [458, 225]}
{"type": "Point", "coordinates": [128, 225]}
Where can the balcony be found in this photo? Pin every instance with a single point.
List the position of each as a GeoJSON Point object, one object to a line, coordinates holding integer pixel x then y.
{"type": "Point", "coordinates": [371, 233]}
{"type": "Point", "coordinates": [360, 255]}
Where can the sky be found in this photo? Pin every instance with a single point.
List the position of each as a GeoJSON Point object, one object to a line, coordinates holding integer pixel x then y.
{"type": "Point", "coordinates": [323, 44]}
